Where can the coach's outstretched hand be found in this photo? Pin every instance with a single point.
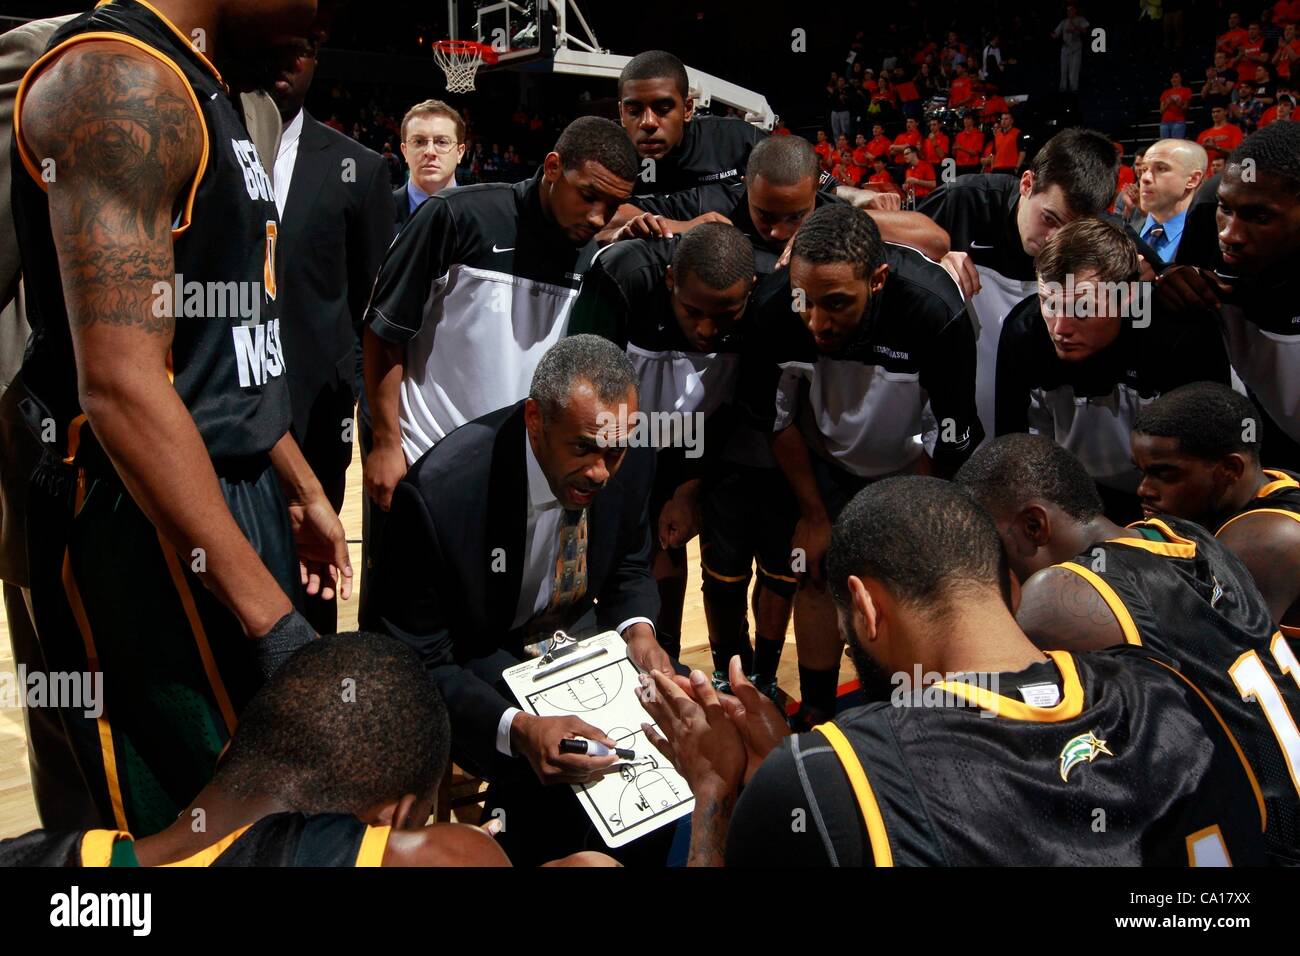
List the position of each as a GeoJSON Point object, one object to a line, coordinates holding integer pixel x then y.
{"type": "Point", "coordinates": [278, 644]}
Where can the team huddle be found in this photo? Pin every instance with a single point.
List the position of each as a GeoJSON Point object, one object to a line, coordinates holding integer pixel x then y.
{"type": "Point", "coordinates": [996, 439]}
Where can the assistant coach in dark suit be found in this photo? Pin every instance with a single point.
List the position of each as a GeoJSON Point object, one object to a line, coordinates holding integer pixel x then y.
{"type": "Point", "coordinates": [530, 519]}
{"type": "Point", "coordinates": [335, 226]}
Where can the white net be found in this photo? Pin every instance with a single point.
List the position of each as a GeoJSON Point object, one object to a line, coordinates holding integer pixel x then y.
{"type": "Point", "coordinates": [460, 61]}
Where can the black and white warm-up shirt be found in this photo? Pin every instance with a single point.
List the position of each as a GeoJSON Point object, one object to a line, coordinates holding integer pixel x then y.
{"type": "Point", "coordinates": [477, 286]}
{"type": "Point", "coordinates": [625, 298]}
{"type": "Point", "coordinates": [1260, 323]}
{"type": "Point", "coordinates": [915, 352]}
{"type": "Point", "coordinates": [1088, 407]}
{"type": "Point", "coordinates": [978, 210]}
{"type": "Point", "coordinates": [730, 199]}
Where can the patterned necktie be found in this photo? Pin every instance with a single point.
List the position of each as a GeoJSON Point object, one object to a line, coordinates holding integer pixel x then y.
{"type": "Point", "coordinates": [570, 582]}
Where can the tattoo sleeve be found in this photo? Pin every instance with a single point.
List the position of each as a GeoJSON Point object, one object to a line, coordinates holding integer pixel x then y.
{"type": "Point", "coordinates": [709, 826]}
{"type": "Point", "coordinates": [125, 140]}
{"type": "Point", "coordinates": [1060, 611]}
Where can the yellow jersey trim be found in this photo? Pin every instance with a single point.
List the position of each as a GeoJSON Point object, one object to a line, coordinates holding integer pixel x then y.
{"type": "Point", "coordinates": [1250, 773]}
{"type": "Point", "coordinates": [373, 845]}
{"type": "Point", "coordinates": [866, 797]}
{"type": "Point", "coordinates": [1113, 601]}
{"type": "Point", "coordinates": [208, 855]}
{"type": "Point", "coordinates": [1067, 708]}
{"type": "Point", "coordinates": [97, 846]}
{"type": "Point", "coordinates": [1176, 547]}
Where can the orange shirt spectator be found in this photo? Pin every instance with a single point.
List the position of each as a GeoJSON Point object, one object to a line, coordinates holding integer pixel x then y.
{"type": "Point", "coordinates": [919, 172]}
{"type": "Point", "coordinates": [1173, 104]}
{"type": "Point", "coordinates": [1006, 148]}
{"type": "Point", "coordinates": [849, 172]}
{"type": "Point", "coordinates": [934, 149]}
{"type": "Point", "coordinates": [824, 149]}
{"type": "Point", "coordinates": [969, 146]}
{"type": "Point", "coordinates": [1283, 110]}
{"type": "Point", "coordinates": [1288, 51]}
{"type": "Point", "coordinates": [1286, 11]}
{"type": "Point", "coordinates": [879, 145]}
{"type": "Point", "coordinates": [1252, 55]}
{"type": "Point", "coordinates": [1231, 41]}
{"type": "Point", "coordinates": [882, 181]}
{"type": "Point", "coordinates": [960, 92]}
{"type": "Point", "coordinates": [994, 107]}
{"type": "Point", "coordinates": [1221, 139]}
{"type": "Point", "coordinates": [909, 137]}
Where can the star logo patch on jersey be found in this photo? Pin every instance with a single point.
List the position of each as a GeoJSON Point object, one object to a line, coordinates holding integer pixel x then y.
{"type": "Point", "coordinates": [1084, 747]}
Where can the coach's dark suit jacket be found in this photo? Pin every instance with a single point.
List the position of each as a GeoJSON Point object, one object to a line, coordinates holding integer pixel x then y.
{"type": "Point", "coordinates": [336, 228]}
{"type": "Point", "coordinates": [434, 578]}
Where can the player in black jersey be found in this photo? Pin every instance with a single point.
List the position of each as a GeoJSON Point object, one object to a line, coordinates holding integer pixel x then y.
{"type": "Point", "coordinates": [680, 150]}
{"type": "Point", "coordinates": [778, 193]}
{"type": "Point", "coordinates": [1239, 261]}
{"type": "Point", "coordinates": [676, 305]}
{"type": "Point", "coordinates": [1164, 584]}
{"type": "Point", "coordinates": [872, 338]}
{"type": "Point", "coordinates": [920, 584]}
{"type": "Point", "coordinates": [159, 536]}
{"type": "Point", "coordinates": [336, 762]}
{"type": "Point", "coordinates": [1080, 357]}
{"type": "Point", "coordinates": [1199, 448]}
{"type": "Point", "coordinates": [997, 224]}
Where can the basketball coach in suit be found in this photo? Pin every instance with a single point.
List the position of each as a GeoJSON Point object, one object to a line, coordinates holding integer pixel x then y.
{"type": "Point", "coordinates": [530, 519]}
{"type": "Point", "coordinates": [336, 224]}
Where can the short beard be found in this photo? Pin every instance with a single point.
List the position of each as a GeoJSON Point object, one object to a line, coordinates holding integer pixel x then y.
{"type": "Point", "coordinates": [873, 680]}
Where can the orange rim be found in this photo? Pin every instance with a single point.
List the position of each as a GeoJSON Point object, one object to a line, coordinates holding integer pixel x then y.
{"type": "Point", "coordinates": [466, 48]}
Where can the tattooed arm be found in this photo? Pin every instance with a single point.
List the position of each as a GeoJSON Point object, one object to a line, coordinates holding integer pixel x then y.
{"type": "Point", "coordinates": [125, 140]}
{"type": "Point", "coordinates": [1061, 611]}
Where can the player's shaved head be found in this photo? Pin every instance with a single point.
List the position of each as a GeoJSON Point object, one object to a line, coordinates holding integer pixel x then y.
{"type": "Point", "coordinates": [1188, 155]}
{"type": "Point", "coordinates": [1012, 471]}
{"type": "Point", "coordinates": [783, 161]}
{"type": "Point", "coordinates": [716, 253]}
{"type": "Point", "coordinates": [656, 65]}
{"type": "Point", "coordinates": [924, 540]}
{"type": "Point", "coordinates": [351, 721]}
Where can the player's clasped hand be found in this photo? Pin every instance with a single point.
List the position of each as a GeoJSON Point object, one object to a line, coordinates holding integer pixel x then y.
{"type": "Point", "coordinates": [537, 739]}
{"type": "Point", "coordinates": [645, 226]}
{"type": "Point", "coordinates": [812, 538]}
{"type": "Point", "coordinates": [698, 738]}
{"type": "Point", "coordinates": [1190, 289]}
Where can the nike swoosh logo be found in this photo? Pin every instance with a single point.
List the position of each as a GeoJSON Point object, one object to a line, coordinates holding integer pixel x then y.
{"type": "Point", "coordinates": [507, 249]}
{"type": "Point", "coordinates": [976, 245]}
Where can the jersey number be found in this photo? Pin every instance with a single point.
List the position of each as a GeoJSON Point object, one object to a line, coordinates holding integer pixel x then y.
{"type": "Point", "coordinates": [1253, 682]}
{"type": "Point", "coordinates": [268, 266]}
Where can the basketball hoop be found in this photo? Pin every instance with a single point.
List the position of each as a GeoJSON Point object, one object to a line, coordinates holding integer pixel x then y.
{"type": "Point", "coordinates": [460, 60]}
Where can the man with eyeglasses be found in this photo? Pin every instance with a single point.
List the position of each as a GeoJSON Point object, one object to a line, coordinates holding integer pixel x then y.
{"type": "Point", "coordinates": [433, 143]}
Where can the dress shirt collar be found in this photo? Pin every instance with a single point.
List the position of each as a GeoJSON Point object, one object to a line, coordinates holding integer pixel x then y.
{"type": "Point", "coordinates": [417, 196]}
{"type": "Point", "coordinates": [1173, 228]}
{"type": "Point", "coordinates": [540, 496]}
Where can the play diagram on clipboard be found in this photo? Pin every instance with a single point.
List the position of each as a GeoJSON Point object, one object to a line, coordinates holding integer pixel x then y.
{"type": "Point", "coordinates": [593, 679]}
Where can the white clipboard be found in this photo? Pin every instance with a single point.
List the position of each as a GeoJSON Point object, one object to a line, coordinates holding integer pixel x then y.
{"type": "Point", "coordinates": [593, 679]}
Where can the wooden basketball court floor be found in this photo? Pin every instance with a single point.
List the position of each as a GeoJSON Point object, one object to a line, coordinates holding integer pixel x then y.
{"type": "Point", "coordinates": [18, 809]}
